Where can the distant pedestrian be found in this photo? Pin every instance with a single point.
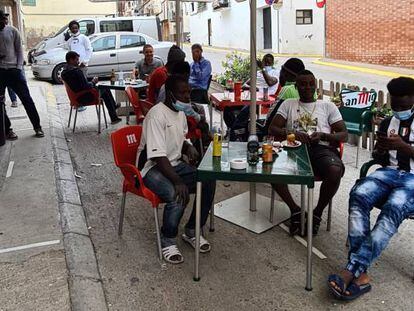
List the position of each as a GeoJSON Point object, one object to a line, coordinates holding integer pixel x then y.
{"type": "Point", "coordinates": [80, 44]}
{"type": "Point", "coordinates": [11, 66]}
{"type": "Point", "coordinates": [148, 64]}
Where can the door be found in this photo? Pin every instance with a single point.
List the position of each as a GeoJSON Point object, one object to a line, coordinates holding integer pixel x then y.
{"type": "Point", "coordinates": [104, 57]}
{"type": "Point", "coordinates": [130, 51]}
{"type": "Point", "coordinates": [209, 31]}
{"type": "Point", "coordinates": [267, 28]}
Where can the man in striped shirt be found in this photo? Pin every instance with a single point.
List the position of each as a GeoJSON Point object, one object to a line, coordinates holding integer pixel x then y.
{"type": "Point", "coordinates": [390, 188]}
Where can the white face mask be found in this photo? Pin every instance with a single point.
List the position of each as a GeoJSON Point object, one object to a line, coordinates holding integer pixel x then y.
{"type": "Point", "coordinates": [75, 34]}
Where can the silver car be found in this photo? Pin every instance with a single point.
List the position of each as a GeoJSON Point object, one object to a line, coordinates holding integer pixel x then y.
{"type": "Point", "coordinates": [111, 50]}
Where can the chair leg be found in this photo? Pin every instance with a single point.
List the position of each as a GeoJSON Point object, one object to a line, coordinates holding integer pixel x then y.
{"type": "Point", "coordinates": [74, 121]}
{"type": "Point", "coordinates": [328, 224]}
{"type": "Point", "coordinates": [121, 214]}
{"type": "Point", "coordinates": [371, 141]}
{"type": "Point", "coordinates": [357, 155]}
{"type": "Point", "coordinates": [157, 225]}
{"type": "Point", "coordinates": [99, 119]}
{"type": "Point", "coordinates": [212, 229]}
{"type": "Point", "coordinates": [272, 205]}
{"type": "Point", "coordinates": [70, 115]}
{"type": "Point", "coordinates": [104, 114]}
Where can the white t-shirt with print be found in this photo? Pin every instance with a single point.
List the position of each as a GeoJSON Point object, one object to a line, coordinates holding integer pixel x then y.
{"type": "Point", "coordinates": [163, 133]}
{"type": "Point", "coordinates": [81, 45]}
{"type": "Point", "coordinates": [323, 113]}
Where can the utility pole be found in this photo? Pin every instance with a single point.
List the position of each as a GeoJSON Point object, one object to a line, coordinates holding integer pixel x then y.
{"type": "Point", "coordinates": [178, 23]}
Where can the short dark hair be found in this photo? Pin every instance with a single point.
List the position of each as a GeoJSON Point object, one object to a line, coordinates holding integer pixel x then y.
{"type": "Point", "coordinates": [306, 72]}
{"type": "Point", "coordinates": [402, 86]}
{"type": "Point", "coordinates": [74, 22]}
{"type": "Point", "coordinates": [146, 46]}
{"type": "Point", "coordinates": [181, 68]}
{"type": "Point", "coordinates": [172, 83]}
{"type": "Point", "coordinates": [197, 46]}
{"type": "Point", "coordinates": [71, 55]}
{"type": "Point", "coordinates": [295, 65]}
{"type": "Point", "coordinates": [269, 56]}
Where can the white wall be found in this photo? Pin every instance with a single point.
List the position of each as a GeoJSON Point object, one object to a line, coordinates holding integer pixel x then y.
{"type": "Point", "coordinates": [231, 27]}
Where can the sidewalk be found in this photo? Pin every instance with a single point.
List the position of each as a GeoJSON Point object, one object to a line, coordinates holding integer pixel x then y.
{"type": "Point", "coordinates": [32, 258]}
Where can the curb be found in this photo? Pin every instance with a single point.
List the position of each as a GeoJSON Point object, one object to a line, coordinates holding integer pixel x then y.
{"type": "Point", "coordinates": [5, 152]}
{"type": "Point", "coordinates": [378, 72]}
{"type": "Point", "coordinates": [85, 282]}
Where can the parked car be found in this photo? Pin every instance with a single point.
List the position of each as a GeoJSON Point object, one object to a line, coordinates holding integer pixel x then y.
{"type": "Point", "coordinates": [149, 25]}
{"type": "Point", "coordinates": [111, 50]}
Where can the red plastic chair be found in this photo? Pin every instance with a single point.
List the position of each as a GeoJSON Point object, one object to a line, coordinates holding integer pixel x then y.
{"type": "Point", "coordinates": [145, 106]}
{"type": "Point", "coordinates": [75, 104]}
{"type": "Point", "coordinates": [194, 132]}
{"type": "Point", "coordinates": [134, 100]}
{"type": "Point", "coordinates": [125, 142]}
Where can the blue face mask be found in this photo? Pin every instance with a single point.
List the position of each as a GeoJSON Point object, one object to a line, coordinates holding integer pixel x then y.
{"type": "Point", "coordinates": [403, 115]}
{"type": "Point", "coordinates": [180, 106]}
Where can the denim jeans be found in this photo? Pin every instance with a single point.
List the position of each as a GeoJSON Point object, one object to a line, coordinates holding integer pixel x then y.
{"type": "Point", "coordinates": [15, 79]}
{"type": "Point", "coordinates": [12, 95]}
{"type": "Point", "coordinates": [173, 211]}
{"type": "Point", "coordinates": [390, 190]}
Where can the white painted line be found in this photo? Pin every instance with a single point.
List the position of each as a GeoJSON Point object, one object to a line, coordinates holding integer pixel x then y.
{"type": "Point", "coordinates": [304, 243]}
{"type": "Point", "coordinates": [10, 169]}
{"type": "Point", "coordinates": [19, 248]}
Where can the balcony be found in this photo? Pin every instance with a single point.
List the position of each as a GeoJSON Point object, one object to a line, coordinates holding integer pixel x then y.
{"type": "Point", "coordinates": [220, 4]}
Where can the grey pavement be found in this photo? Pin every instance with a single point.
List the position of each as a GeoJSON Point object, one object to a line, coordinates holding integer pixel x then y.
{"type": "Point", "coordinates": [34, 278]}
{"type": "Point", "coordinates": [244, 271]}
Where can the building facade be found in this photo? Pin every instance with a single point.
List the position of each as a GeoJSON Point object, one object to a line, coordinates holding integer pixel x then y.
{"type": "Point", "coordinates": [293, 27]}
{"type": "Point", "coordinates": [42, 18]}
{"type": "Point", "coordinates": [375, 31]}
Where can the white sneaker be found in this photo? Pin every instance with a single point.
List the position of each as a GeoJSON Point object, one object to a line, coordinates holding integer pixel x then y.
{"type": "Point", "coordinates": [14, 104]}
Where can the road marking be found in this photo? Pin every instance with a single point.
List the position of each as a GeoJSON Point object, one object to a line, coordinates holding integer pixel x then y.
{"type": "Point", "coordinates": [28, 246]}
{"type": "Point", "coordinates": [304, 243]}
{"type": "Point", "coordinates": [391, 74]}
{"type": "Point", "coordinates": [10, 169]}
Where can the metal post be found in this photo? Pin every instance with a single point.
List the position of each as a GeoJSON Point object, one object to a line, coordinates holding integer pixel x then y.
{"type": "Point", "coordinates": [253, 197]}
{"type": "Point", "coordinates": [178, 23]}
{"type": "Point", "coordinates": [302, 209]}
{"type": "Point", "coordinates": [197, 233]}
{"type": "Point", "coordinates": [310, 226]}
{"type": "Point", "coordinates": [2, 121]}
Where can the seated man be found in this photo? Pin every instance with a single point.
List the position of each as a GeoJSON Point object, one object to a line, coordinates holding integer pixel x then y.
{"type": "Point", "coordinates": [148, 64]}
{"type": "Point", "coordinates": [390, 188]}
{"type": "Point", "coordinates": [199, 76]}
{"type": "Point", "coordinates": [319, 125]}
{"type": "Point", "coordinates": [160, 75]}
{"type": "Point", "coordinates": [267, 75]}
{"type": "Point", "coordinates": [167, 174]}
{"type": "Point", "coordinates": [75, 79]}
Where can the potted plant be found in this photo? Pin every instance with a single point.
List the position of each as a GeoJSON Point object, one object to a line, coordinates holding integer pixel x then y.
{"type": "Point", "coordinates": [236, 68]}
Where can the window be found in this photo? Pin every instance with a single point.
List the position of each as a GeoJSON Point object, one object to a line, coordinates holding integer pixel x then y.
{"type": "Point", "coordinates": [87, 27]}
{"type": "Point", "coordinates": [304, 17]}
{"type": "Point", "coordinates": [131, 41]}
{"type": "Point", "coordinates": [29, 2]}
{"type": "Point", "coordinates": [201, 6]}
{"type": "Point", "coordinates": [104, 44]}
{"type": "Point", "coordinates": [116, 25]}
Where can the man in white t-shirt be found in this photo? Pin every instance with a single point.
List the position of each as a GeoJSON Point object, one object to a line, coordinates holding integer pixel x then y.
{"type": "Point", "coordinates": [169, 169]}
{"type": "Point", "coordinates": [80, 44]}
{"type": "Point", "coordinates": [318, 125]}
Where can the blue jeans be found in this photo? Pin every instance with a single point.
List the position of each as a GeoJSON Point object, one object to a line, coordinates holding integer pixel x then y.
{"type": "Point", "coordinates": [390, 190]}
{"type": "Point", "coordinates": [173, 211]}
{"type": "Point", "coordinates": [12, 95]}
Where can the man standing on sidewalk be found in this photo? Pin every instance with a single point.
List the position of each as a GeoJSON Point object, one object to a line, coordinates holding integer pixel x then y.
{"type": "Point", "coordinates": [11, 66]}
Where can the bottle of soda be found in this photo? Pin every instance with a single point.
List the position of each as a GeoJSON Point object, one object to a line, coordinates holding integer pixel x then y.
{"type": "Point", "coordinates": [217, 142]}
{"type": "Point", "coordinates": [113, 78]}
{"type": "Point", "coordinates": [253, 150]}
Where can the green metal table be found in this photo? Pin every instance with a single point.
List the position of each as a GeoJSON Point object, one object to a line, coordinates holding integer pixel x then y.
{"type": "Point", "coordinates": [291, 166]}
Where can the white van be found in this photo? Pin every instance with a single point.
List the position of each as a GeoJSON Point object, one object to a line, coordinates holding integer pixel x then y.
{"type": "Point", "coordinates": [149, 25]}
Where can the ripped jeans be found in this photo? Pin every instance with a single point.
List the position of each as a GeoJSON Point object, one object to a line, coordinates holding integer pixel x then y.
{"type": "Point", "coordinates": [390, 190]}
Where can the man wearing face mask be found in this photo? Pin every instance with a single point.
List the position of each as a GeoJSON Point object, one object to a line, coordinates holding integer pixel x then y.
{"type": "Point", "coordinates": [80, 44]}
{"type": "Point", "coordinates": [161, 154]}
{"type": "Point", "coordinates": [390, 188]}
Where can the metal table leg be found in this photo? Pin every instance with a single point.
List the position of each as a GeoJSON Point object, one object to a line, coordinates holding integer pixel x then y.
{"type": "Point", "coordinates": [253, 197]}
{"type": "Point", "coordinates": [302, 209]}
{"type": "Point", "coordinates": [310, 225]}
{"type": "Point", "coordinates": [222, 120]}
{"type": "Point", "coordinates": [197, 233]}
{"type": "Point", "coordinates": [210, 110]}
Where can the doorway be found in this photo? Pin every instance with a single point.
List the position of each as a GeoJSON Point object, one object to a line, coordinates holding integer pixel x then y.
{"type": "Point", "coordinates": [267, 28]}
{"type": "Point", "coordinates": [209, 31]}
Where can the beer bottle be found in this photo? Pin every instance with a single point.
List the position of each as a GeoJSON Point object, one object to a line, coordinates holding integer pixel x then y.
{"type": "Point", "coordinates": [113, 77]}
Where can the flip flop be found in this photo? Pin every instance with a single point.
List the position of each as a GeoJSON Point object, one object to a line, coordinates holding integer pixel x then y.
{"type": "Point", "coordinates": [339, 283]}
{"type": "Point", "coordinates": [356, 291]}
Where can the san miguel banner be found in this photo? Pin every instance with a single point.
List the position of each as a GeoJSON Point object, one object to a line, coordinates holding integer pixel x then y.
{"type": "Point", "coordinates": [358, 99]}
{"type": "Point", "coordinates": [320, 3]}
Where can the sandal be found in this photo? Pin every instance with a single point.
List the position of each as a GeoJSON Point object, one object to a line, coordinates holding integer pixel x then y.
{"type": "Point", "coordinates": [339, 282]}
{"type": "Point", "coordinates": [204, 244]}
{"type": "Point", "coordinates": [172, 254]}
{"type": "Point", "coordinates": [295, 220]}
{"type": "Point", "coordinates": [356, 291]}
